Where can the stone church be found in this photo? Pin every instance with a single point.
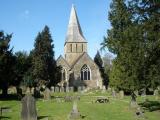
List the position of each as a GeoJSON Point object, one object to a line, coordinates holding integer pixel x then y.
{"type": "Point", "coordinates": [78, 68]}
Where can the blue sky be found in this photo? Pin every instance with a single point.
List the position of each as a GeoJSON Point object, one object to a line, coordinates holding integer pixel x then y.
{"type": "Point", "coordinates": [25, 18]}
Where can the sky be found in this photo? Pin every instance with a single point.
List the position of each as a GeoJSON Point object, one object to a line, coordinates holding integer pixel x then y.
{"type": "Point", "coordinates": [25, 18]}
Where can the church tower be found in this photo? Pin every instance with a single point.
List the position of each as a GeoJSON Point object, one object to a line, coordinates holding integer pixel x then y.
{"type": "Point", "coordinates": [75, 43]}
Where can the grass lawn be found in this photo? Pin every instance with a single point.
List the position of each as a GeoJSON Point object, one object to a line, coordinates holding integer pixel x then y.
{"type": "Point", "coordinates": [116, 109]}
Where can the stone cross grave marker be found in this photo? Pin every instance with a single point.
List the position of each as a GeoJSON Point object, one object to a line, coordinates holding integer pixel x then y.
{"type": "Point", "coordinates": [28, 108]}
{"type": "Point", "coordinates": [133, 102]}
{"type": "Point", "coordinates": [75, 114]}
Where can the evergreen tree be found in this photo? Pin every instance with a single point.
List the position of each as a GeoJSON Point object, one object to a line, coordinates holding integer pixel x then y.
{"type": "Point", "coordinates": [44, 65]}
{"type": "Point", "coordinates": [22, 67]}
{"type": "Point", "coordinates": [99, 62]}
{"type": "Point", "coordinates": [147, 13]}
{"type": "Point", "coordinates": [7, 62]}
{"type": "Point", "coordinates": [121, 41]}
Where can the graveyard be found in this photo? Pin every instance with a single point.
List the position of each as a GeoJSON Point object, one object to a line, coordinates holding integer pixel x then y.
{"type": "Point", "coordinates": [62, 104]}
{"type": "Point", "coordinates": [80, 60]}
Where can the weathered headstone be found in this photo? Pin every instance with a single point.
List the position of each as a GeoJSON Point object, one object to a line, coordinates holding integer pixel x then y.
{"type": "Point", "coordinates": [66, 89]}
{"type": "Point", "coordinates": [28, 108]}
{"type": "Point", "coordinates": [113, 93]}
{"type": "Point", "coordinates": [75, 114]}
{"type": "Point", "coordinates": [56, 89]}
{"type": "Point", "coordinates": [121, 94]}
{"type": "Point", "coordinates": [47, 94]}
{"type": "Point", "coordinates": [52, 88]}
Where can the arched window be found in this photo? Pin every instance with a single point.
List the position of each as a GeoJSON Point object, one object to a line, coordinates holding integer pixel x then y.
{"type": "Point", "coordinates": [85, 73]}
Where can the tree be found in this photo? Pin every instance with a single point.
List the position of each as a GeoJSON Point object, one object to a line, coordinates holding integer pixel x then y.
{"type": "Point", "coordinates": [7, 62]}
{"type": "Point", "coordinates": [134, 38]}
{"type": "Point", "coordinates": [122, 42]}
{"type": "Point", "coordinates": [147, 13]}
{"type": "Point", "coordinates": [22, 67]}
{"type": "Point", "coordinates": [99, 62]}
{"type": "Point", "coordinates": [44, 65]}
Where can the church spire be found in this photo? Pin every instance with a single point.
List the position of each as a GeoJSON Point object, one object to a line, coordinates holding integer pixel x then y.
{"type": "Point", "coordinates": [74, 32]}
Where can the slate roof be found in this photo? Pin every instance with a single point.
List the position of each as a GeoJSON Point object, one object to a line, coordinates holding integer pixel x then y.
{"type": "Point", "coordinates": [74, 32]}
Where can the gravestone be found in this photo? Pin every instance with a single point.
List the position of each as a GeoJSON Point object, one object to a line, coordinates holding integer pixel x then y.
{"type": "Point", "coordinates": [66, 89]}
{"type": "Point", "coordinates": [75, 114]}
{"type": "Point", "coordinates": [47, 94]}
{"type": "Point", "coordinates": [133, 102]}
{"type": "Point", "coordinates": [121, 94]}
{"type": "Point", "coordinates": [52, 88]}
{"type": "Point", "coordinates": [56, 89]}
{"type": "Point", "coordinates": [28, 108]}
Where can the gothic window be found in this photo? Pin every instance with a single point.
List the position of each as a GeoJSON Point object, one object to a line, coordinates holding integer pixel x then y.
{"type": "Point", "coordinates": [85, 73]}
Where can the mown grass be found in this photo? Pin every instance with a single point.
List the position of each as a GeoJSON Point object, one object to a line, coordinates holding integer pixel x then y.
{"type": "Point", "coordinates": [54, 109]}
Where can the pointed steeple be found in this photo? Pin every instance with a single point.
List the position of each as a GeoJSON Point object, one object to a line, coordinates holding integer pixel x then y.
{"type": "Point", "coordinates": [74, 32]}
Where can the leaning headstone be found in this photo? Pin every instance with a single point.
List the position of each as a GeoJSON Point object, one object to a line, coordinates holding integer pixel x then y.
{"type": "Point", "coordinates": [121, 94]}
{"type": "Point", "coordinates": [47, 94]}
{"type": "Point", "coordinates": [133, 102]}
{"type": "Point", "coordinates": [75, 114]}
{"type": "Point", "coordinates": [28, 108]}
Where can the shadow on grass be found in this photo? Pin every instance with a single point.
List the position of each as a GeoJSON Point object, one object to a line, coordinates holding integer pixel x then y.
{"type": "Point", "coordinates": [9, 97]}
{"type": "Point", "coordinates": [41, 117]}
{"type": "Point", "coordinates": [150, 105]}
{"type": "Point", "coordinates": [3, 117]}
